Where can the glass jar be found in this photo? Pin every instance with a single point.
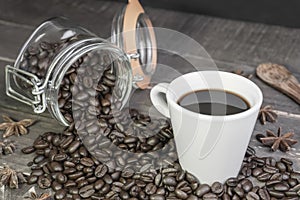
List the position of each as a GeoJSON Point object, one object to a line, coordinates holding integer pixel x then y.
{"type": "Point", "coordinates": [61, 60]}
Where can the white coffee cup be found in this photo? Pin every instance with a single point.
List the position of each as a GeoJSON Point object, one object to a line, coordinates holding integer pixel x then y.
{"type": "Point", "coordinates": [210, 147]}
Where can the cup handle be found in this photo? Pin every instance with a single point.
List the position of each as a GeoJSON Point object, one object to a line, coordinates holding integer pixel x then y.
{"type": "Point", "coordinates": [157, 95]}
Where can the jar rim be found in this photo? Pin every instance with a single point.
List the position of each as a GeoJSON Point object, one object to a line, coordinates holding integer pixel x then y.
{"type": "Point", "coordinates": [64, 61]}
{"type": "Point", "coordinates": [133, 32]}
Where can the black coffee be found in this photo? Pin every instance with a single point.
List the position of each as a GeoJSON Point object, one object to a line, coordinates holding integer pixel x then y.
{"type": "Point", "coordinates": [214, 102]}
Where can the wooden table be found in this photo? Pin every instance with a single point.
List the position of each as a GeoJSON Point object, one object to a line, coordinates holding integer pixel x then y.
{"type": "Point", "coordinates": [232, 44]}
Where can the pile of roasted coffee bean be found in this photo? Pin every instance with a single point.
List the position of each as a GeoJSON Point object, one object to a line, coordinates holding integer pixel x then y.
{"type": "Point", "coordinates": [128, 136]}
{"type": "Point", "coordinates": [64, 164]}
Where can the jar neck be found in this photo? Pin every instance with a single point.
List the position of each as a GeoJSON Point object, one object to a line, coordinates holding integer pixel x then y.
{"type": "Point", "coordinates": [65, 59]}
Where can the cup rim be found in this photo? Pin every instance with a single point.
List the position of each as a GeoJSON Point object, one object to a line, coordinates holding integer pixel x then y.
{"type": "Point", "coordinates": [251, 110]}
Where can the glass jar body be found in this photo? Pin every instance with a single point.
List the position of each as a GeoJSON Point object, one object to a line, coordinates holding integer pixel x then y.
{"type": "Point", "coordinates": [60, 60]}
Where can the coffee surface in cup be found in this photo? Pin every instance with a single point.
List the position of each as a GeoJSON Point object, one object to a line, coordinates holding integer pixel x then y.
{"type": "Point", "coordinates": [214, 102]}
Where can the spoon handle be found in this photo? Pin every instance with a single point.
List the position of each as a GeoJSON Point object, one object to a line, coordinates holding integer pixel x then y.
{"type": "Point", "coordinates": [280, 78]}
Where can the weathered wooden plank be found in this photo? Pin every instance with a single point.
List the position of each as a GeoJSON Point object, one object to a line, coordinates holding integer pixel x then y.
{"type": "Point", "coordinates": [43, 124]}
{"type": "Point", "coordinates": [226, 40]}
{"type": "Point", "coordinates": [12, 39]}
{"type": "Point", "coordinates": [10, 103]}
{"type": "Point", "coordinates": [98, 15]}
{"type": "Point", "coordinates": [170, 67]}
{"type": "Point", "coordinates": [18, 160]}
{"type": "Point", "coordinates": [287, 124]}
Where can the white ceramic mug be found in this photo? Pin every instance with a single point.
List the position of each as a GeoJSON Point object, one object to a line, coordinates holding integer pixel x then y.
{"type": "Point", "coordinates": [210, 147]}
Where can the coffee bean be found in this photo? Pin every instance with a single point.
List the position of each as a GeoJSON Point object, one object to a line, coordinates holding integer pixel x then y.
{"type": "Point", "coordinates": [264, 177]}
{"type": "Point", "coordinates": [60, 194]}
{"type": "Point", "coordinates": [134, 191]}
{"type": "Point", "coordinates": [100, 171]}
{"type": "Point", "coordinates": [150, 188]}
{"type": "Point", "coordinates": [75, 175]}
{"type": "Point", "coordinates": [28, 150]}
{"type": "Point", "coordinates": [252, 196]}
{"type": "Point", "coordinates": [202, 189]}
{"type": "Point", "coordinates": [105, 189]}
{"type": "Point", "coordinates": [73, 191]}
{"type": "Point", "coordinates": [56, 186]}
{"type": "Point", "coordinates": [264, 194]}
{"type": "Point", "coordinates": [169, 181]}
{"type": "Point", "coordinates": [41, 145]}
{"type": "Point", "coordinates": [270, 169]}
{"type": "Point", "coordinates": [217, 188]}
{"type": "Point", "coordinates": [37, 172]}
{"type": "Point", "coordinates": [286, 161]}
{"type": "Point", "coordinates": [87, 170]}
{"type": "Point", "coordinates": [285, 176]}
{"type": "Point", "coordinates": [296, 188]}
{"type": "Point", "coordinates": [73, 146]}
{"type": "Point", "coordinates": [192, 197]}
{"type": "Point", "coordinates": [82, 183]}
{"type": "Point", "coordinates": [60, 157]}
{"type": "Point", "coordinates": [291, 194]}
{"type": "Point", "coordinates": [281, 187]}
{"type": "Point", "coordinates": [292, 182]}
{"type": "Point", "coordinates": [32, 179]}
{"type": "Point", "coordinates": [226, 197]}
{"type": "Point", "coordinates": [56, 167]}
{"type": "Point", "coordinates": [67, 142]}
{"type": "Point", "coordinates": [107, 179]}
{"type": "Point", "coordinates": [232, 182]}
{"type": "Point", "coordinates": [99, 184]}
{"type": "Point", "coordinates": [83, 152]}
{"type": "Point", "coordinates": [127, 173]}
{"type": "Point", "coordinates": [157, 197]}
{"type": "Point", "coordinates": [61, 178]}
{"type": "Point", "coordinates": [296, 175]}
{"type": "Point", "coordinates": [70, 183]}
{"type": "Point", "coordinates": [246, 185]}
{"type": "Point", "coordinates": [210, 196]}
{"type": "Point", "coordinates": [239, 191]}
{"type": "Point", "coordinates": [181, 194]}
{"type": "Point", "coordinates": [128, 184]}
{"type": "Point", "coordinates": [276, 194]}
{"type": "Point", "coordinates": [69, 171]}
{"type": "Point", "coordinates": [272, 182]}
{"type": "Point", "coordinates": [56, 140]}
{"type": "Point", "coordinates": [88, 162]}
{"type": "Point", "coordinates": [256, 172]}
{"type": "Point", "coordinates": [281, 166]}
{"type": "Point", "coordinates": [44, 182]}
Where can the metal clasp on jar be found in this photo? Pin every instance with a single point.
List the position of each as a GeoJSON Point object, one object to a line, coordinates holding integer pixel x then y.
{"type": "Point", "coordinates": [38, 101]}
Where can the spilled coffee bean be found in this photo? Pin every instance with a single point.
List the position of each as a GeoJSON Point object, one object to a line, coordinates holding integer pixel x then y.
{"type": "Point", "coordinates": [76, 174]}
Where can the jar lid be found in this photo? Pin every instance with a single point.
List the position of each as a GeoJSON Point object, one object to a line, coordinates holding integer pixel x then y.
{"type": "Point", "coordinates": [132, 31]}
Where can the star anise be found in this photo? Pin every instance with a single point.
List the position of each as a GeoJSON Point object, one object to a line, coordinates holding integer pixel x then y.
{"type": "Point", "coordinates": [279, 141]}
{"type": "Point", "coordinates": [12, 127]}
{"type": "Point", "coordinates": [10, 177]}
{"type": "Point", "coordinates": [7, 147]}
{"type": "Point", "coordinates": [242, 73]}
{"type": "Point", "coordinates": [43, 196]}
{"type": "Point", "coordinates": [267, 113]}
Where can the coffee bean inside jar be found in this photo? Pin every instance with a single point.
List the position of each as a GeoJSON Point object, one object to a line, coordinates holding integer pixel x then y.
{"type": "Point", "coordinates": [63, 66]}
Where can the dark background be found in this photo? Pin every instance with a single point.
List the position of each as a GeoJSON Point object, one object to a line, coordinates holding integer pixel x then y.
{"type": "Point", "coordinates": [275, 12]}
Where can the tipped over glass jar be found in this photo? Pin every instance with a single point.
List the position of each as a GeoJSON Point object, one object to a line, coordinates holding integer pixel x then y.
{"type": "Point", "coordinates": [63, 67]}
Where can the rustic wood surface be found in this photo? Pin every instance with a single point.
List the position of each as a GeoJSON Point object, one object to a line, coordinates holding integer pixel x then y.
{"type": "Point", "coordinates": [232, 44]}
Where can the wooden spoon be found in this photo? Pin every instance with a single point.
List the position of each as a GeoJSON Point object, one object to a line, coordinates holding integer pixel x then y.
{"type": "Point", "coordinates": [280, 78]}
